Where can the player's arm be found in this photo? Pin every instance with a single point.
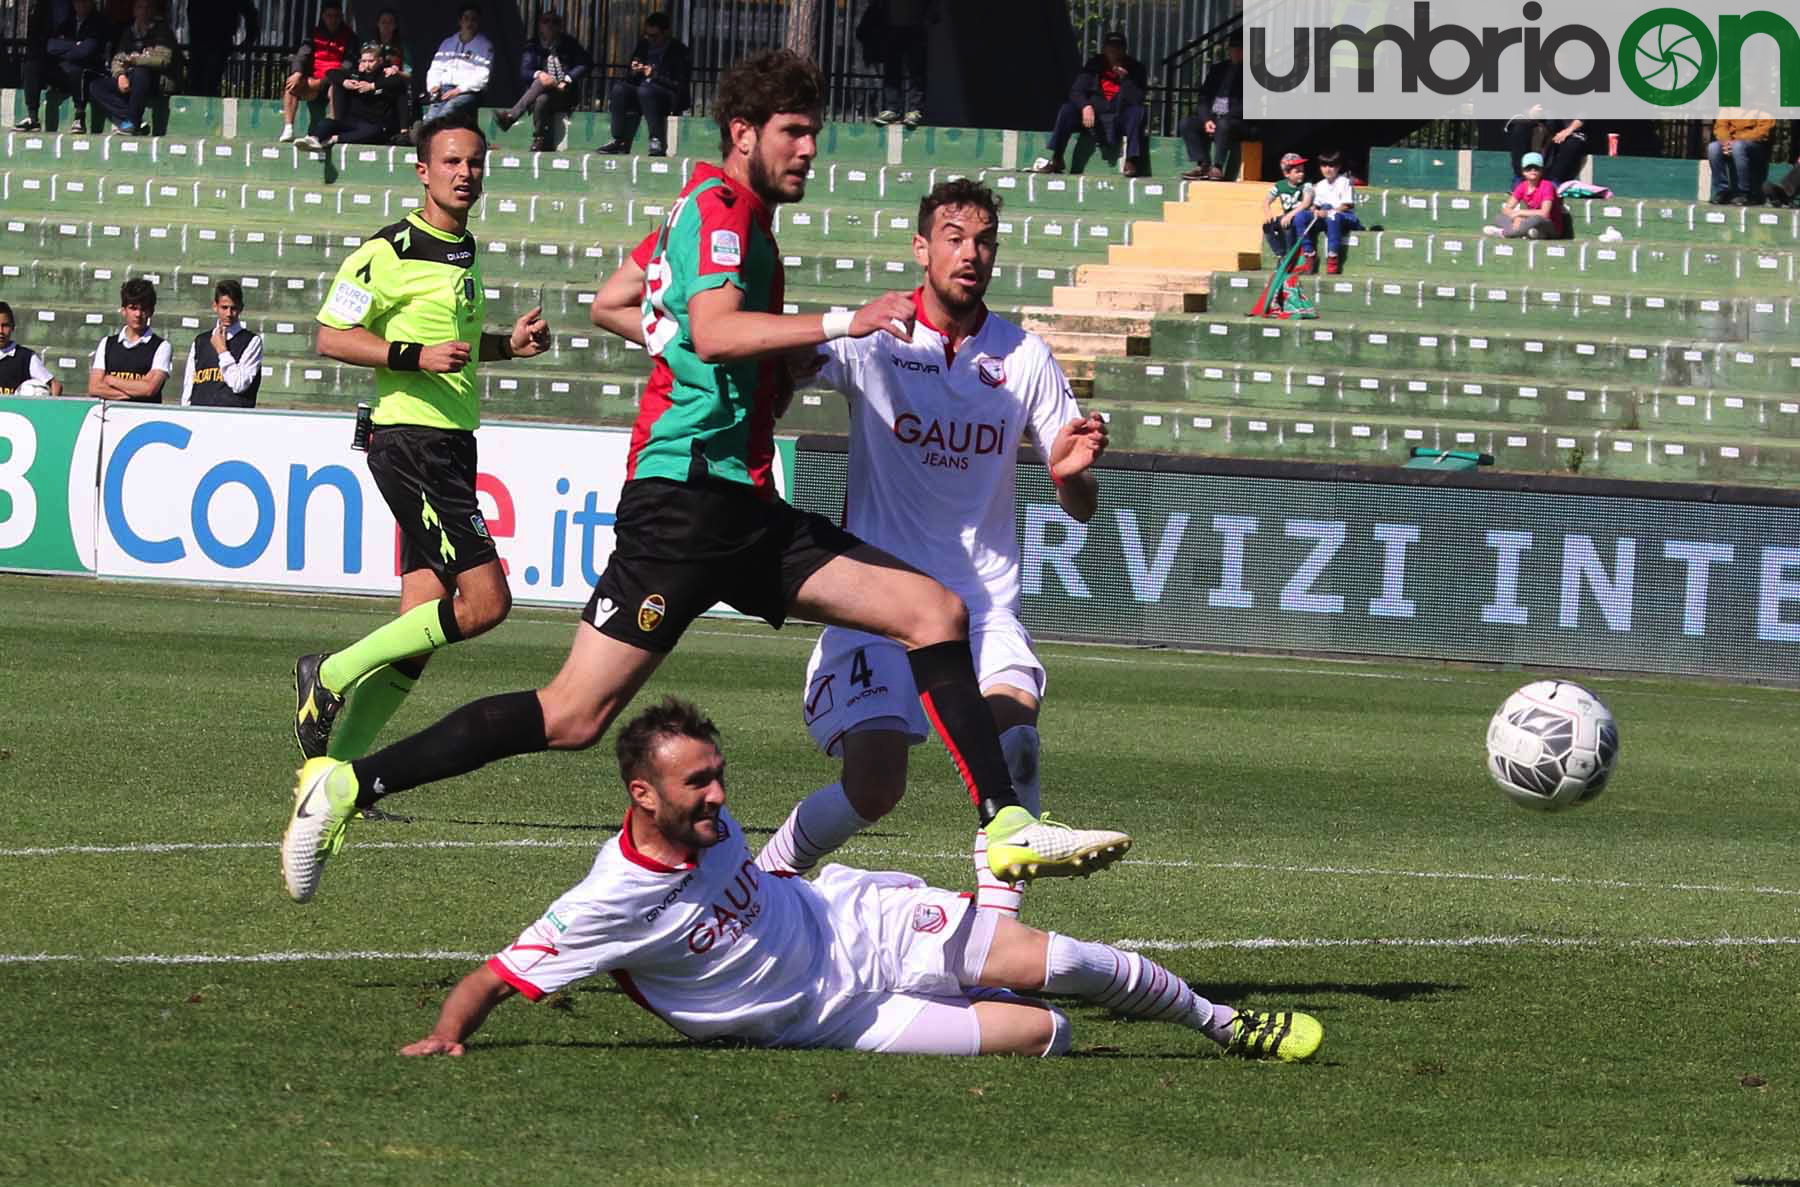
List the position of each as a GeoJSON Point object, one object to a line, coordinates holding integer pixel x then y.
{"type": "Point", "coordinates": [725, 332]}
{"type": "Point", "coordinates": [463, 1012]}
{"type": "Point", "coordinates": [365, 348]}
{"type": "Point", "coordinates": [358, 297]}
{"type": "Point", "coordinates": [530, 336]}
{"type": "Point", "coordinates": [617, 307]}
{"type": "Point", "coordinates": [1077, 446]}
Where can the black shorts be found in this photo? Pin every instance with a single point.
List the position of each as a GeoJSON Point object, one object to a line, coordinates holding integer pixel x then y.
{"type": "Point", "coordinates": [681, 548]}
{"type": "Point", "coordinates": [427, 477]}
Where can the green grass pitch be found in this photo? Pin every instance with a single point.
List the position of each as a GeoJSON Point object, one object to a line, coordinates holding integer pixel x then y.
{"type": "Point", "coordinates": [1607, 996]}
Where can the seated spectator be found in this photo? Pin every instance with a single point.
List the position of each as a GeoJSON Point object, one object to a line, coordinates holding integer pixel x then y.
{"type": "Point", "coordinates": [330, 47]}
{"type": "Point", "coordinates": [134, 363]}
{"type": "Point", "coordinates": [224, 366]}
{"type": "Point", "coordinates": [550, 70]}
{"type": "Point", "coordinates": [63, 56]}
{"type": "Point", "coordinates": [1561, 143]}
{"type": "Point", "coordinates": [146, 65]}
{"type": "Point", "coordinates": [22, 372]}
{"type": "Point", "coordinates": [1108, 100]}
{"type": "Point", "coordinates": [367, 107]}
{"type": "Point", "coordinates": [1334, 209]}
{"type": "Point", "coordinates": [1212, 136]}
{"type": "Point", "coordinates": [396, 62]}
{"type": "Point", "coordinates": [656, 88]}
{"type": "Point", "coordinates": [212, 34]}
{"type": "Point", "coordinates": [461, 67]}
{"type": "Point", "coordinates": [1287, 198]}
{"type": "Point", "coordinates": [1533, 211]}
{"type": "Point", "coordinates": [1739, 154]}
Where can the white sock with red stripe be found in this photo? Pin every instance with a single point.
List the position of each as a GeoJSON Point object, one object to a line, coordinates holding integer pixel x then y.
{"type": "Point", "coordinates": [1019, 745]}
{"type": "Point", "coordinates": [1130, 984]}
{"type": "Point", "coordinates": [817, 825]}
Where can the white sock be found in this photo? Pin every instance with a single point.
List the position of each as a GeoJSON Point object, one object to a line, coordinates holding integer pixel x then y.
{"type": "Point", "coordinates": [1127, 983]}
{"type": "Point", "coordinates": [817, 825]}
{"type": "Point", "coordinates": [287, 130]}
{"type": "Point", "coordinates": [991, 894]}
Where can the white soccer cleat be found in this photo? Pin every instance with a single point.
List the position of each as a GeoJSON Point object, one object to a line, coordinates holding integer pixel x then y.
{"type": "Point", "coordinates": [1022, 847]}
{"type": "Point", "coordinates": [323, 809]}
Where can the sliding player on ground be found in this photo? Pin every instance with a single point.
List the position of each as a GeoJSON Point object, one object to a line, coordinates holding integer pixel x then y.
{"type": "Point", "coordinates": [935, 425]}
{"type": "Point", "coordinates": [699, 521]}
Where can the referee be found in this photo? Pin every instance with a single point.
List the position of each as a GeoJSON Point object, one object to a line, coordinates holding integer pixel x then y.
{"type": "Point", "coordinates": [409, 303]}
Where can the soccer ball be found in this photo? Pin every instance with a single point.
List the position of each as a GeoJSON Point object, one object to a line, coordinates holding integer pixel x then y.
{"type": "Point", "coordinates": [33, 387]}
{"type": "Point", "coordinates": [1552, 746]}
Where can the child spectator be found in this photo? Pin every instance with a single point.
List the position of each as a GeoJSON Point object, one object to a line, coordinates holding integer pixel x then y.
{"type": "Point", "coordinates": [134, 363]}
{"type": "Point", "coordinates": [1534, 211]}
{"type": "Point", "coordinates": [146, 64]}
{"type": "Point", "coordinates": [224, 366]}
{"type": "Point", "coordinates": [550, 70]}
{"type": "Point", "coordinates": [461, 68]}
{"type": "Point", "coordinates": [1287, 198]}
{"type": "Point", "coordinates": [1334, 206]}
{"type": "Point", "coordinates": [70, 56]}
{"type": "Point", "coordinates": [21, 370]}
{"type": "Point", "coordinates": [367, 105]}
{"type": "Point", "coordinates": [328, 49]}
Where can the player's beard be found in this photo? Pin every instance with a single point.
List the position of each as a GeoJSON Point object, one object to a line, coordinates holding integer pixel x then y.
{"type": "Point", "coordinates": [763, 181]}
{"type": "Point", "coordinates": [958, 300]}
{"type": "Point", "coordinates": [689, 829]}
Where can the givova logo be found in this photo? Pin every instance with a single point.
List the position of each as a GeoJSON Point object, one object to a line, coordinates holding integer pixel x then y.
{"type": "Point", "coordinates": [1384, 59]}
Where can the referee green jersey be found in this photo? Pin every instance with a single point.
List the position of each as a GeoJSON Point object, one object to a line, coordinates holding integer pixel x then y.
{"type": "Point", "coordinates": [414, 283]}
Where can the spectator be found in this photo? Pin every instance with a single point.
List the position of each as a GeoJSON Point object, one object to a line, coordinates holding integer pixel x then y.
{"type": "Point", "coordinates": [224, 366]}
{"type": "Point", "coordinates": [1534, 210]}
{"type": "Point", "coordinates": [134, 363]}
{"type": "Point", "coordinates": [70, 56]}
{"type": "Point", "coordinates": [1108, 100]}
{"type": "Point", "coordinates": [1334, 206]}
{"type": "Point", "coordinates": [1561, 143]}
{"type": "Point", "coordinates": [396, 62]}
{"type": "Point", "coordinates": [461, 67]}
{"type": "Point", "coordinates": [21, 370]}
{"type": "Point", "coordinates": [550, 70]}
{"type": "Point", "coordinates": [1786, 192]}
{"type": "Point", "coordinates": [212, 34]}
{"type": "Point", "coordinates": [1739, 154]}
{"type": "Point", "coordinates": [328, 48]}
{"type": "Point", "coordinates": [903, 64]}
{"type": "Point", "coordinates": [1287, 198]}
{"type": "Point", "coordinates": [1212, 136]}
{"type": "Point", "coordinates": [146, 64]}
{"type": "Point", "coordinates": [656, 88]}
{"type": "Point", "coordinates": [367, 106]}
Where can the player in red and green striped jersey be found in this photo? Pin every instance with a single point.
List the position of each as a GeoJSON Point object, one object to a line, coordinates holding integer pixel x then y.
{"type": "Point", "coordinates": [698, 519]}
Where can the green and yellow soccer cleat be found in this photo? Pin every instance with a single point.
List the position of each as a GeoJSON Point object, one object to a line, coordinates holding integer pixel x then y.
{"type": "Point", "coordinates": [315, 707]}
{"type": "Point", "coordinates": [324, 805]}
{"type": "Point", "coordinates": [1022, 847]}
{"type": "Point", "coordinates": [1286, 1035]}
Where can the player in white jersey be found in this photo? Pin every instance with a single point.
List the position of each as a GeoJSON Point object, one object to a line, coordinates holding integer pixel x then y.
{"type": "Point", "coordinates": [717, 944]}
{"type": "Point", "coordinates": [935, 428]}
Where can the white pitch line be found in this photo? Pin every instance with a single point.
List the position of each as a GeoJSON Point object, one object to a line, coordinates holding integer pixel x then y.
{"type": "Point", "coordinates": [152, 958]}
{"type": "Point", "coordinates": [1270, 942]}
{"type": "Point", "coordinates": [860, 850]}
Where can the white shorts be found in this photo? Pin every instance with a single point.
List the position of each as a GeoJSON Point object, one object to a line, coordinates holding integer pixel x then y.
{"type": "Point", "coordinates": [855, 679]}
{"type": "Point", "coordinates": [896, 944]}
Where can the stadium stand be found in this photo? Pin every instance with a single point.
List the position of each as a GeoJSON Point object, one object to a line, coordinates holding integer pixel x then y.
{"type": "Point", "coordinates": [1667, 349]}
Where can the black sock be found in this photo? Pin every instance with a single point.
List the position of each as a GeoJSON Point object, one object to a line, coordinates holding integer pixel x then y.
{"type": "Point", "coordinates": [447, 621]}
{"type": "Point", "coordinates": [945, 676]}
{"type": "Point", "coordinates": [479, 733]}
{"type": "Point", "coordinates": [412, 668]}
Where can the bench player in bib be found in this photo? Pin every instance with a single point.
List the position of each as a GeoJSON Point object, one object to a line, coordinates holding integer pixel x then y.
{"type": "Point", "coordinates": [935, 425]}
{"type": "Point", "coordinates": [408, 303]}
{"type": "Point", "coordinates": [722, 945]}
{"type": "Point", "coordinates": [698, 519]}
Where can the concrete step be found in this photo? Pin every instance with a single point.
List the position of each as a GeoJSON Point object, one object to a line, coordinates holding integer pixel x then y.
{"type": "Point", "coordinates": [1039, 319]}
{"type": "Point", "coordinates": [1078, 297]}
{"type": "Point", "coordinates": [1066, 344]}
{"type": "Point", "coordinates": [1198, 255]}
{"type": "Point", "coordinates": [1228, 236]}
{"type": "Point", "coordinates": [1208, 198]}
{"type": "Point", "coordinates": [1148, 276]}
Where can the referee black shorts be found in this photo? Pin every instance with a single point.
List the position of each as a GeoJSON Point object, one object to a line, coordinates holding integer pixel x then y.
{"type": "Point", "coordinates": [427, 477]}
{"type": "Point", "coordinates": [680, 548]}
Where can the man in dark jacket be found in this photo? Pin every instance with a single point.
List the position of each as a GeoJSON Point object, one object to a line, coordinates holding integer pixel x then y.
{"type": "Point", "coordinates": [367, 104]}
{"type": "Point", "coordinates": [64, 51]}
{"type": "Point", "coordinates": [1212, 133]}
{"type": "Point", "coordinates": [1108, 100]}
{"type": "Point", "coordinates": [657, 88]}
{"type": "Point", "coordinates": [550, 71]}
{"type": "Point", "coordinates": [146, 64]}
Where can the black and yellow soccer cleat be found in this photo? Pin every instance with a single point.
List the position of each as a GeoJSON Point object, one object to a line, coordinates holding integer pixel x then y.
{"type": "Point", "coordinates": [315, 707]}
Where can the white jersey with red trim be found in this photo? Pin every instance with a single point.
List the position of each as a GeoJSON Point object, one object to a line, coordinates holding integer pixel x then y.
{"type": "Point", "coordinates": [719, 946]}
{"type": "Point", "coordinates": [934, 439]}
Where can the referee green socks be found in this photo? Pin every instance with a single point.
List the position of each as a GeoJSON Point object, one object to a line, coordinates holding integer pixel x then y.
{"type": "Point", "coordinates": [419, 631]}
{"type": "Point", "coordinates": [372, 704]}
